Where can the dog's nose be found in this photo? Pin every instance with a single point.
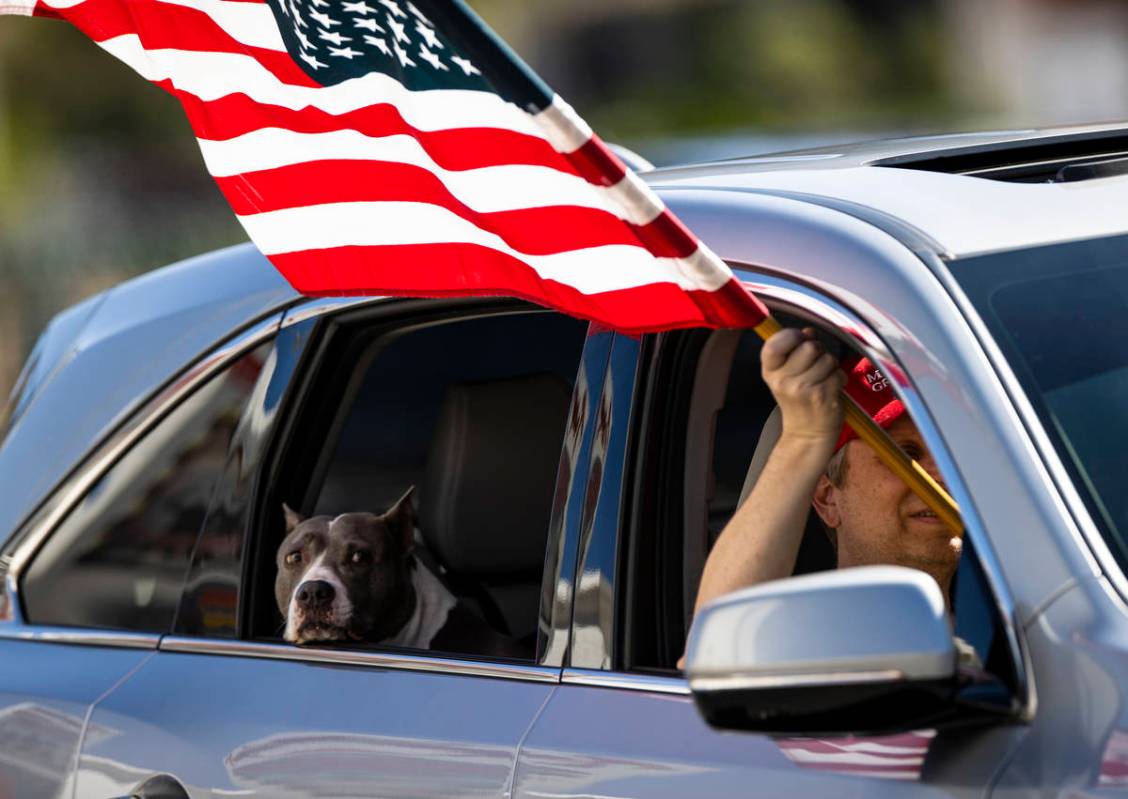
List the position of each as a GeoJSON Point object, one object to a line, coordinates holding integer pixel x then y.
{"type": "Point", "coordinates": [315, 593]}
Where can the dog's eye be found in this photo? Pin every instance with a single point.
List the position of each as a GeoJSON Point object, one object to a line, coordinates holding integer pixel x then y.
{"type": "Point", "coordinates": [360, 557]}
{"type": "Point", "coordinates": [293, 558]}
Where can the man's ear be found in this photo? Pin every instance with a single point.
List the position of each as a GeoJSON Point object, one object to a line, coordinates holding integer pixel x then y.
{"type": "Point", "coordinates": [825, 502]}
{"type": "Point", "coordinates": [293, 518]}
{"type": "Point", "coordinates": [400, 519]}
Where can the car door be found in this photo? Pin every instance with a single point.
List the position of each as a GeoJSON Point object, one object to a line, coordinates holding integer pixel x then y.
{"type": "Point", "coordinates": [93, 580]}
{"type": "Point", "coordinates": [685, 416]}
{"type": "Point", "coordinates": [363, 412]}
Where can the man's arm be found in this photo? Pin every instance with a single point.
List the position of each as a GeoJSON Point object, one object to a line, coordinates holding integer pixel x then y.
{"type": "Point", "coordinates": [761, 541]}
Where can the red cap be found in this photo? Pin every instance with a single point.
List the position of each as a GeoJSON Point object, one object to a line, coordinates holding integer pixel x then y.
{"type": "Point", "coordinates": [871, 389]}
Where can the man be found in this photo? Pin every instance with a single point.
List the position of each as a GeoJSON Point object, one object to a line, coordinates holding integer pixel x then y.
{"type": "Point", "coordinates": [872, 515]}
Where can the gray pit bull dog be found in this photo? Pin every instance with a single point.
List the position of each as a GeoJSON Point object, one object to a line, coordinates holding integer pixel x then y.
{"type": "Point", "coordinates": [355, 578]}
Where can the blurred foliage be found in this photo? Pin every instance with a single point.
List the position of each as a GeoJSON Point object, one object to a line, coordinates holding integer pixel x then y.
{"type": "Point", "coordinates": [100, 176]}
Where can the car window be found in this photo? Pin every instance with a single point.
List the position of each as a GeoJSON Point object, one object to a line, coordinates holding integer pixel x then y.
{"type": "Point", "coordinates": [720, 406]}
{"type": "Point", "coordinates": [1060, 316]}
{"type": "Point", "coordinates": [118, 559]}
{"type": "Point", "coordinates": [465, 413]}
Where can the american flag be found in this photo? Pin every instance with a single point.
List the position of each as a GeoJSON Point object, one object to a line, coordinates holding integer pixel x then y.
{"type": "Point", "coordinates": [394, 147]}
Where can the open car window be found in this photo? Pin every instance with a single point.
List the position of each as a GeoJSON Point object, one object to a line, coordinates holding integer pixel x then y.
{"type": "Point", "coordinates": [467, 412]}
{"type": "Point", "coordinates": [709, 388]}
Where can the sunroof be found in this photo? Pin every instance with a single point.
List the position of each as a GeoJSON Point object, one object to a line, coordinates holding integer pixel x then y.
{"type": "Point", "coordinates": [1061, 159]}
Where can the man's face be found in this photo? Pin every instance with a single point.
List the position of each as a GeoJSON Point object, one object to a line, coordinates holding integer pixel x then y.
{"type": "Point", "coordinates": [879, 520]}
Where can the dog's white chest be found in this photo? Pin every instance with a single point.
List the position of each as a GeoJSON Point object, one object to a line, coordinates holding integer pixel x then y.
{"type": "Point", "coordinates": [433, 603]}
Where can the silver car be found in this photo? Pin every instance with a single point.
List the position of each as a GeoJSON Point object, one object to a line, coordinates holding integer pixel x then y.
{"type": "Point", "coordinates": [569, 483]}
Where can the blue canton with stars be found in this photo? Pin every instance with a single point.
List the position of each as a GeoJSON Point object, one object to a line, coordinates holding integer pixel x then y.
{"type": "Point", "coordinates": [335, 40]}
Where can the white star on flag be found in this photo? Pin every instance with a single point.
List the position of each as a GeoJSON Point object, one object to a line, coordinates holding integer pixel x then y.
{"type": "Point", "coordinates": [401, 54]}
{"type": "Point", "coordinates": [312, 61]}
{"type": "Point", "coordinates": [323, 19]}
{"type": "Point", "coordinates": [334, 37]}
{"type": "Point", "coordinates": [357, 8]}
{"type": "Point", "coordinates": [397, 29]}
{"type": "Point", "coordinates": [346, 52]}
{"type": "Point", "coordinates": [376, 41]}
{"type": "Point", "coordinates": [466, 66]}
{"type": "Point", "coordinates": [428, 34]}
{"type": "Point", "coordinates": [392, 6]}
{"type": "Point", "coordinates": [419, 14]}
{"type": "Point", "coordinates": [432, 59]}
{"type": "Point", "coordinates": [370, 24]}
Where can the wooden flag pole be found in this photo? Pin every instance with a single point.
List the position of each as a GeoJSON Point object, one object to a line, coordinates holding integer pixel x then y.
{"type": "Point", "coordinates": [911, 472]}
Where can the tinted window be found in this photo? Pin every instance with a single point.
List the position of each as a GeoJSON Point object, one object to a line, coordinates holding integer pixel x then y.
{"type": "Point", "coordinates": [118, 560]}
{"type": "Point", "coordinates": [1060, 316]}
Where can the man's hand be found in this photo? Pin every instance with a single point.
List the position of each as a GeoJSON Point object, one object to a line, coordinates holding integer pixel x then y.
{"type": "Point", "coordinates": [806, 382]}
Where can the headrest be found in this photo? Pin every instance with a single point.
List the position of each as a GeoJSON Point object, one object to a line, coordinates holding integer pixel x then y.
{"type": "Point", "coordinates": [769, 435]}
{"type": "Point", "coordinates": [488, 483]}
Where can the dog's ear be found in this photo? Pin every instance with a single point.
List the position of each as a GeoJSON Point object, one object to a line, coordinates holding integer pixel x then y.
{"type": "Point", "coordinates": [400, 519]}
{"type": "Point", "coordinates": [293, 518]}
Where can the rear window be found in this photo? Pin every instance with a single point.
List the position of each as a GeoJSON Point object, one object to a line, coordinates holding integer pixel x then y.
{"type": "Point", "coordinates": [1060, 316]}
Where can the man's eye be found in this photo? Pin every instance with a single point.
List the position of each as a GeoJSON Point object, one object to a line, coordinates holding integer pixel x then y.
{"type": "Point", "coordinates": [293, 558]}
{"type": "Point", "coordinates": [360, 557]}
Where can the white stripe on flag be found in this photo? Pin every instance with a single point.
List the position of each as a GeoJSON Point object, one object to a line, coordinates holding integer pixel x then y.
{"type": "Point", "coordinates": [639, 203]}
{"type": "Point", "coordinates": [591, 270]}
{"type": "Point", "coordinates": [21, 7]}
{"type": "Point", "coordinates": [487, 189]}
{"type": "Point", "coordinates": [703, 267]}
{"type": "Point", "coordinates": [564, 128]}
{"type": "Point", "coordinates": [211, 75]}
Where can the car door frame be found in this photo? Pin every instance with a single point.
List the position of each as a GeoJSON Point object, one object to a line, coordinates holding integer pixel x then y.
{"type": "Point", "coordinates": [587, 667]}
{"type": "Point", "coordinates": [560, 555]}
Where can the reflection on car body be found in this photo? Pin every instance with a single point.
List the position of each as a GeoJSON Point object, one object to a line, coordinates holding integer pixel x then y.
{"type": "Point", "coordinates": [571, 481]}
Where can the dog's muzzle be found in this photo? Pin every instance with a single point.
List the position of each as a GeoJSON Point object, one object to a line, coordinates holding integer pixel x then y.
{"type": "Point", "coordinates": [314, 615]}
{"type": "Point", "coordinates": [315, 595]}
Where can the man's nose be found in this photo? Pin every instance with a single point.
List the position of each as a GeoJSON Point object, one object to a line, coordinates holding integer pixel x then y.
{"type": "Point", "coordinates": [315, 594]}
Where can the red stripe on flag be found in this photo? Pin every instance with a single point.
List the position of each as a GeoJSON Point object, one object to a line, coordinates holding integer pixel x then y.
{"type": "Point", "coordinates": [668, 236]}
{"type": "Point", "coordinates": [456, 149]}
{"type": "Point", "coordinates": [470, 270]}
{"type": "Point", "coordinates": [597, 164]}
{"type": "Point", "coordinates": [533, 231]}
{"type": "Point", "coordinates": [162, 26]}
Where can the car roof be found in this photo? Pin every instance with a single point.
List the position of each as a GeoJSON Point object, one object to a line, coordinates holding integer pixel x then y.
{"type": "Point", "coordinates": [98, 361]}
{"type": "Point", "coordinates": [924, 183]}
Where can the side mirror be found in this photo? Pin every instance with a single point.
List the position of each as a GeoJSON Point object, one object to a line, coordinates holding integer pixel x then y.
{"type": "Point", "coordinates": [865, 650]}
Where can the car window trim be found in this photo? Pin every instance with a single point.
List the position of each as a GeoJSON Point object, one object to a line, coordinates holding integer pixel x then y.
{"type": "Point", "coordinates": [80, 636]}
{"type": "Point", "coordinates": [799, 299]}
{"type": "Point", "coordinates": [402, 661]}
{"type": "Point", "coordinates": [629, 681]}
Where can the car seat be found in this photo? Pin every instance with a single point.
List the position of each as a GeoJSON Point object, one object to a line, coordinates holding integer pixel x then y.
{"type": "Point", "coordinates": [486, 495]}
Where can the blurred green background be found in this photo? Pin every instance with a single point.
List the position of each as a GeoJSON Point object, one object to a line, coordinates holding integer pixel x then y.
{"type": "Point", "coordinates": [100, 178]}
